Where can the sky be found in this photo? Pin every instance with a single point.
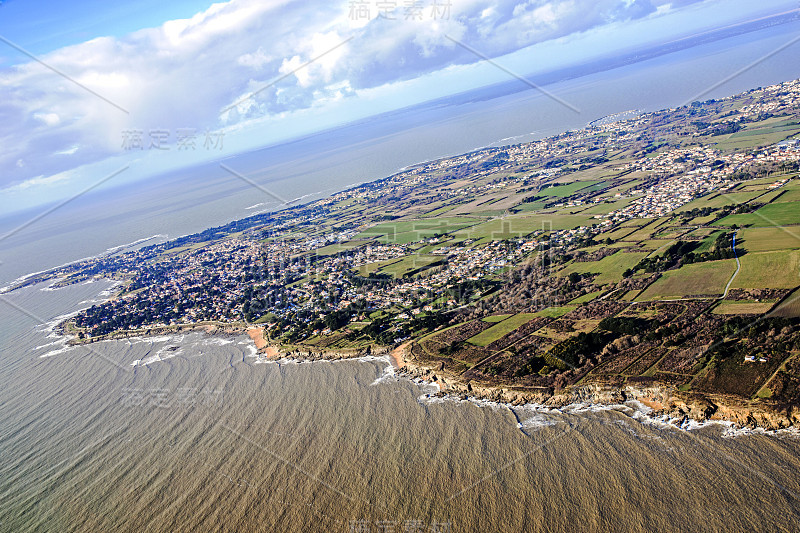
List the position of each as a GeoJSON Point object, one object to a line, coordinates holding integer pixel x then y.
{"type": "Point", "coordinates": [89, 88]}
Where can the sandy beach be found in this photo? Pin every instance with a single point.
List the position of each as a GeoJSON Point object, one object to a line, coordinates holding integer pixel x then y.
{"type": "Point", "coordinates": [396, 356]}
{"type": "Point", "coordinates": [257, 334]}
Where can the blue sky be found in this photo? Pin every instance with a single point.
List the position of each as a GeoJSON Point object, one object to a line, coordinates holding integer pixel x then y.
{"type": "Point", "coordinates": [43, 26]}
{"type": "Point", "coordinates": [206, 72]}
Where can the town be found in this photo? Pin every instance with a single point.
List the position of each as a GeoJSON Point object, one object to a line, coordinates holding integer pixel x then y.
{"type": "Point", "coordinates": [613, 254]}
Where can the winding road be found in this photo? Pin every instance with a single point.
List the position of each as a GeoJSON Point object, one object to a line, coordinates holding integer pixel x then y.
{"type": "Point", "coordinates": [738, 267]}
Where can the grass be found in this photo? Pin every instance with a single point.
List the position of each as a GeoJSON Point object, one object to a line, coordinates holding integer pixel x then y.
{"type": "Point", "coordinates": [769, 239]}
{"type": "Point", "coordinates": [500, 329]}
{"type": "Point", "coordinates": [645, 232]}
{"type": "Point", "coordinates": [751, 138]}
{"type": "Point", "coordinates": [775, 195]}
{"type": "Point", "coordinates": [733, 307]}
{"type": "Point", "coordinates": [702, 220]}
{"type": "Point", "coordinates": [530, 206]}
{"type": "Point", "coordinates": [708, 242]}
{"type": "Point", "coordinates": [758, 183]}
{"type": "Point", "coordinates": [606, 207]}
{"type": "Point", "coordinates": [637, 222]}
{"type": "Point", "coordinates": [586, 298]}
{"type": "Point", "coordinates": [337, 248]}
{"type": "Point", "coordinates": [653, 246]}
{"type": "Point", "coordinates": [720, 200]}
{"type": "Point", "coordinates": [669, 232]}
{"type": "Point", "coordinates": [697, 279]}
{"type": "Point", "coordinates": [789, 307]}
{"type": "Point", "coordinates": [792, 194]}
{"type": "Point", "coordinates": [557, 311]}
{"type": "Point", "coordinates": [371, 268]}
{"type": "Point", "coordinates": [609, 269]}
{"type": "Point", "coordinates": [562, 191]}
{"type": "Point", "coordinates": [617, 233]}
{"type": "Point", "coordinates": [406, 231]}
{"type": "Point", "coordinates": [409, 264]}
{"type": "Point", "coordinates": [777, 214]}
{"type": "Point", "coordinates": [769, 270]}
{"type": "Point", "coordinates": [440, 211]}
{"type": "Point", "coordinates": [495, 318]}
{"type": "Point", "coordinates": [517, 226]}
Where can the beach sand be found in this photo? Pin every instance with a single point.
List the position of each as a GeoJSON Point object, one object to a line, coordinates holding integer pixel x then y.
{"type": "Point", "coordinates": [653, 404]}
{"type": "Point", "coordinates": [257, 334]}
{"type": "Point", "coordinates": [272, 352]}
{"type": "Point", "coordinates": [397, 354]}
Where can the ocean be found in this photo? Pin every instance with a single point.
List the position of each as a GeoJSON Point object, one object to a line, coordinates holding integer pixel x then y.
{"type": "Point", "coordinates": [196, 433]}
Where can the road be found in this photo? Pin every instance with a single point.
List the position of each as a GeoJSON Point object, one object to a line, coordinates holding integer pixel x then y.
{"type": "Point", "coordinates": [738, 267]}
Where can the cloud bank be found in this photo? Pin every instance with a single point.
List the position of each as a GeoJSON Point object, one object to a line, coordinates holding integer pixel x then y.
{"type": "Point", "coordinates": [218, 68]}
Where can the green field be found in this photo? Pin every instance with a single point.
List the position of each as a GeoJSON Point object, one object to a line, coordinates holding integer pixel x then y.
{"type": "Point", "coordinates": [733, 307]}
{"type": "Point", "coordinates": [702, 220]}
{"type": "Point", "coordinates": [789, 307]}
{"type": "Point", "coordinates": [609, 269]}
{"type": "Point", "coordinates": [708, 242]}
{"type": "Point", "coordinates": [697, 279]}
{"type": "Point", "coordinates": [754, 136]}
{"type": "Point", "coordinates": [440, 210]}
{"type": "Point", "coordinates": [759, 183]}
{"type": "Point", "coordinates": [618, 233]}
{"type": "Point", "coordinates": [769, 239]}
{"type": "Point", "coordinates": [371, 268]}
{"type": "Point", "coordinates": [769, 270]}
{"type": "Point", "coordinates": [406, 231]}
{"type": "Point", "coordinates": [791, 194]}
{"type": "Point", "coordinates": [586, 297]}
{"type": "Point", "coordinates": [557, 311]}
{"type": "Point", "coordinates": [645, 232]}
{"type": "Point", "coordinates": [777, 214]}
{"type": "Point", "coordinates": [562, 191]}
{"type": "Point", "coordinates": [606, 207]}
{"type": "Point", "coordinates": [500, 329]}
{"type": "Point", "coordinates": [517, 226]}
{"type": "Point", "coordinates": [720, 200]}
{"type": "Point", "coordinates": [495, 318]}
{"type": "Point", "coordinates": [337, 248]}
{"type": "Point", "coordinates": [398, 268]}
{"type": "Point", "coordinates": [530, 206]}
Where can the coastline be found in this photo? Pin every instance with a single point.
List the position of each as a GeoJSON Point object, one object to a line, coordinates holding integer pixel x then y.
{"type": "Point", "coordinates": [665, 403]}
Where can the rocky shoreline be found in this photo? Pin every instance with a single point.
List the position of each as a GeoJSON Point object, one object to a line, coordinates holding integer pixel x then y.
{"type": "Point", "coordinates": [210, 328]}
{"type": "Point", "coordinates": [664, 400]}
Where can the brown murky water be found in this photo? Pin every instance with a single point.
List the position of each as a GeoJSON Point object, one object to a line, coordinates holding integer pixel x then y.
{"type": "Point", "coordinates": [209, 440]}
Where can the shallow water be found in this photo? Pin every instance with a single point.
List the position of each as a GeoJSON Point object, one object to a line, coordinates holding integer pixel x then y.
{"type": "Point", "coordinates": [209, 438]}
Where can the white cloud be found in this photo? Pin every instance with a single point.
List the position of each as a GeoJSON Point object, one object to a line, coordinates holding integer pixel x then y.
{"type": "Point", "coordinates": [50, 119]}
{"type": "Point", "coordinates": [255, 60]}
{"type": "Point", "coordinates": [185, 72]}
{"type": "Point", "coordinates": [37, 181]}
{"type": "Point", "coordinates": [69, 151]}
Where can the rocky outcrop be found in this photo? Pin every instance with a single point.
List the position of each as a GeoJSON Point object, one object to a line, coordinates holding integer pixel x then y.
{"type": "Point", "coordinates": [662, 399]}
{"type": "Point", "coordinates": [309, 354]}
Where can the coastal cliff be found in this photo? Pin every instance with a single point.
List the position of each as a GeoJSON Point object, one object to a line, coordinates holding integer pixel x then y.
{"type": "Point", "coordinates": [664, 400]}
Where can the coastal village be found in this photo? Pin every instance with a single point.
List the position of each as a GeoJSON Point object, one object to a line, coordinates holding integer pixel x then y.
{"type": "Point", "coordinates": [212, 282]}
{"type": "Point", "coordinates": [539, 266]}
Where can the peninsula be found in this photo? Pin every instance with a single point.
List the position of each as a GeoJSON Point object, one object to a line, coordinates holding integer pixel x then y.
{"type": "Point", "coordinates": [652, 255]}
